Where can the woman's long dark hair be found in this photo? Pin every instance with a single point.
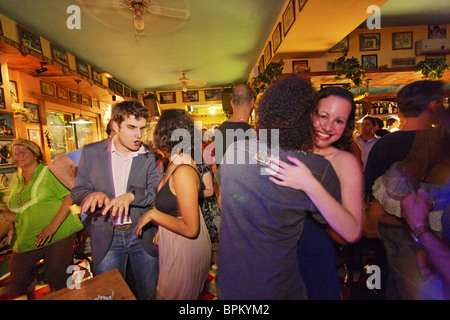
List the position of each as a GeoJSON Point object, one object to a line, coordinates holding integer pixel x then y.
{"type": "Point", "coordinates": [166, 138]}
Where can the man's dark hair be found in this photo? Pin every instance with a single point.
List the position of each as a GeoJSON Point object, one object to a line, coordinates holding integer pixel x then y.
{"type": "Point", "coordinates": [371, 119]}
{"type": "Point", "coordinates": [414, 98]}
{"type": "Point", "coordinates": [288, 105]}
{"type": "Point", "coordinates": [122, 110]}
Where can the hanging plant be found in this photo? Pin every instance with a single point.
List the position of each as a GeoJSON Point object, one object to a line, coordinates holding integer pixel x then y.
{"type": "Point", "coordinates": [433, 68]}
{"type": "Point", "coordinates": [49, 139]}
{"type": "Point", "coordinates": [21, 112]}
{"type": "Point", "coordinates": [267, 77]}
{"type": "Point", "coordinates": [351, 69]}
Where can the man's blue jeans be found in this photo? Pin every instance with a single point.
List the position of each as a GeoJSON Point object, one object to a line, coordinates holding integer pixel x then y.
{"type": "Point", "coordinates": [125, 245]}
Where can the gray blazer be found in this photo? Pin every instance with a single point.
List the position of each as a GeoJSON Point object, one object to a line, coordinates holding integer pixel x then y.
{"type": "Point", "coordinates": [94, 174]}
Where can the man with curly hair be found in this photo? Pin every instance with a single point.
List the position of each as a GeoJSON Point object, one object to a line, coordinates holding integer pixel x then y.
{"type": "Point", "coordinates": [261, 221]}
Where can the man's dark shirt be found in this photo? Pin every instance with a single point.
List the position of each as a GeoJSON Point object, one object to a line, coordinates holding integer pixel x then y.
{"type": "Point", "coordinates": [389, 149]}
{"type": "Point", "coordinates": [220, 146]}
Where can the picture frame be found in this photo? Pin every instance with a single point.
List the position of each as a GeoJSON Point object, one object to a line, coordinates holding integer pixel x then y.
{"type": "Point", "coordinates": [7, 175]}
{"type": "Point", "coordinates": [288, 17]}
{"type": "Point", "coordinates": [276, 37]}
{"type": "Point", "coordinates": [7, 129]}
{"type": "Point", "coordinates": [213, 94]}
{"type": "Point", "coordinates": [127, 92]}
{"type": "Point", "coordinates": [96, 75]}
{"type": "Point", "coordinates": [261, 64]}
{"type": "Point", "coordinates": [74, 97]}
{"type": "Point", "coordinates": [95, 103]}
{"type": "Point", "coordinates": [119, 88]}
{"type": "Point", "coordinates": [14, 93]}
{"type": "Point", "coordinates": [268, 53]}
{"type": "Point", "coordinates": [369, 61]}
{"type": "Point", "coordinates": [5, 155]}
{"type": "Point", "coordinates": [62, 93]}
{"type": "Point", "coordinates": [301, 4]}
{"type": "Point", "coordinates": [2, 99]}
{"type": "Point", "coordinates": [167, 97]}
{"type": "Point", "coordinates": [29, 39]}
{"type": "Point", "coordinates": [111, 84]}
{"type": "Point", "coordinates": [299, 66]}
{"type": "Point", "coordinates": [134, 95]}
{"type": "Point", "coordinates": [402, 40]}
{"type": "Point", "coordinates": [59, 55]}
{"type": "Point", "coordinates": [82, 68]}
{"type": "Point", "coordinates": [437, 31]}
{"type": "Point", "coordinates": [47, 88]}
{"type": "Point", "coordinates": [1, 76]}
{"type": "Point", "coordinates": [86, 100]}
{"type": "Point", "coordinates": [190, 96]}
{"type": "Point", "coordinates": [33, 109]}
{"type": "Point", "coordinates": [369, 41]}
{"type": "Point", "coordinates": [408, 62]}
{"type": "Point", "coordinates": [341, 46]}
{"type": "Point", "coordinates": [35, 136]}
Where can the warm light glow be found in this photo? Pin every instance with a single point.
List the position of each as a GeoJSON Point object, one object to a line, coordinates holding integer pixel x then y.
{"type": "Point", "coordinates": [81, 120]}
{"type": "Point", "coordinates": [107, 75]}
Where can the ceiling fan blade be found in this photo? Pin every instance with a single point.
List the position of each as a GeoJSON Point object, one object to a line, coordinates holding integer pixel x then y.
{"type": "Point", "coordinates": [169, 12]}
{"type": "Point", "coordinates": [103, 3]}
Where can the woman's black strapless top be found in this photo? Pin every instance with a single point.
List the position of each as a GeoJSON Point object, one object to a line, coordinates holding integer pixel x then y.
{"type": "Point", "coordinates": [166, 201]}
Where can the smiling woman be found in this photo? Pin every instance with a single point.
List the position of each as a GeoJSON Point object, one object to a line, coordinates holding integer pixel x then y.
{"type": "Point", "coordinates": [44, 226]}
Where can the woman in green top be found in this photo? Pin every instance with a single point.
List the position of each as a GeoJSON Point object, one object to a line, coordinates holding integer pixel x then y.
{"type": "Point", "coordinates": [44, 227]}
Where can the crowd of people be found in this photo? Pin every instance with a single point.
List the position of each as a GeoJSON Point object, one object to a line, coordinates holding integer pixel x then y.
{"type": "Point", "coordinates": [278, 199]}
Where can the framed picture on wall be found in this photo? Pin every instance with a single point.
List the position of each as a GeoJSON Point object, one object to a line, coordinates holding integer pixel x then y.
{"type": "Point", "coordinates": [7, 175]}
{"type": "Point", "coordinates": [2, 99]}
{"type": "Point", "coordinates": [96, 75]}
{"type": "Point", "coordinates": [14, 93]}
{"type": "Point", "coordinates": [59, 55]}
{"type": "Point", "coordinates": [341, 46]}
{"type": "Point", "coordinates": [212, 94]}
{"type": "Point", "coordinates": [261, 64]}
{"type": "Point", "coordinates": [86, 100]}
{"type": "Point", "coordinates": [268, 53]}
{"type": "Point", "coordinates": [7, 125]}
{"type": "Point", "coordinates": [276, 37]}
{"type": "Point", "coordinates": [82, 68]}
{"type": "Point", "coordinates": [29, 39]}
{"type": "Point", "coordinates": [167, 97]}
{"type": "Point", "coordinates": [47, 88]}
{"type": "Point", "coordinates": [300, 66]}
{"type": "Point", "coordinates": [437, 31]}
{"type": "Point", "coordinates": [35, 136]}
{"type": "Point", "coordinates": [33, 109]}
{"type": "Point", "coordinates": [369, 41]}
{"type": "Point", "coordinates": [403, 62]}
{"type": "Point", "coordinates": [369, 61]}
{"type": "Point", "coordinates": [190, 96]}
{"type": "Point", "coordinates": [74, 97]}
{"type": "Point", "coordinates": [62, 93]}
{"type": "Point", "coordinates": [301, 4]}
{"type": "Point", "coordinates": [5, 156]}
{"type": "Point", "coordinates": [288, 17]}
{"type": "Point", "coordinates": [402, 40]}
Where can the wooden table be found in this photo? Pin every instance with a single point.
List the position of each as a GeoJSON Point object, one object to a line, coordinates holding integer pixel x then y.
{"type": "Point", "coordinates": [111, 279]}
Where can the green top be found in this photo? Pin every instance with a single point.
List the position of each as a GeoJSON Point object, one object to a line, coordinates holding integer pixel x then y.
{"type": "Point", "coordinates": [35, 206]}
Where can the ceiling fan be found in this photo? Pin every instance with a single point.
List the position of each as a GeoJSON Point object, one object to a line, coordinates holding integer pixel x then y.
{"type": "Point", "coordinates": [170, 9]}
{"type": "Point", "coordinates": [184, 81]}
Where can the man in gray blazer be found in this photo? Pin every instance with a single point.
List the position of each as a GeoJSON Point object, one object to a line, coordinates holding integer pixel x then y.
{"type": "Point", "coordinates": [115, 184]}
